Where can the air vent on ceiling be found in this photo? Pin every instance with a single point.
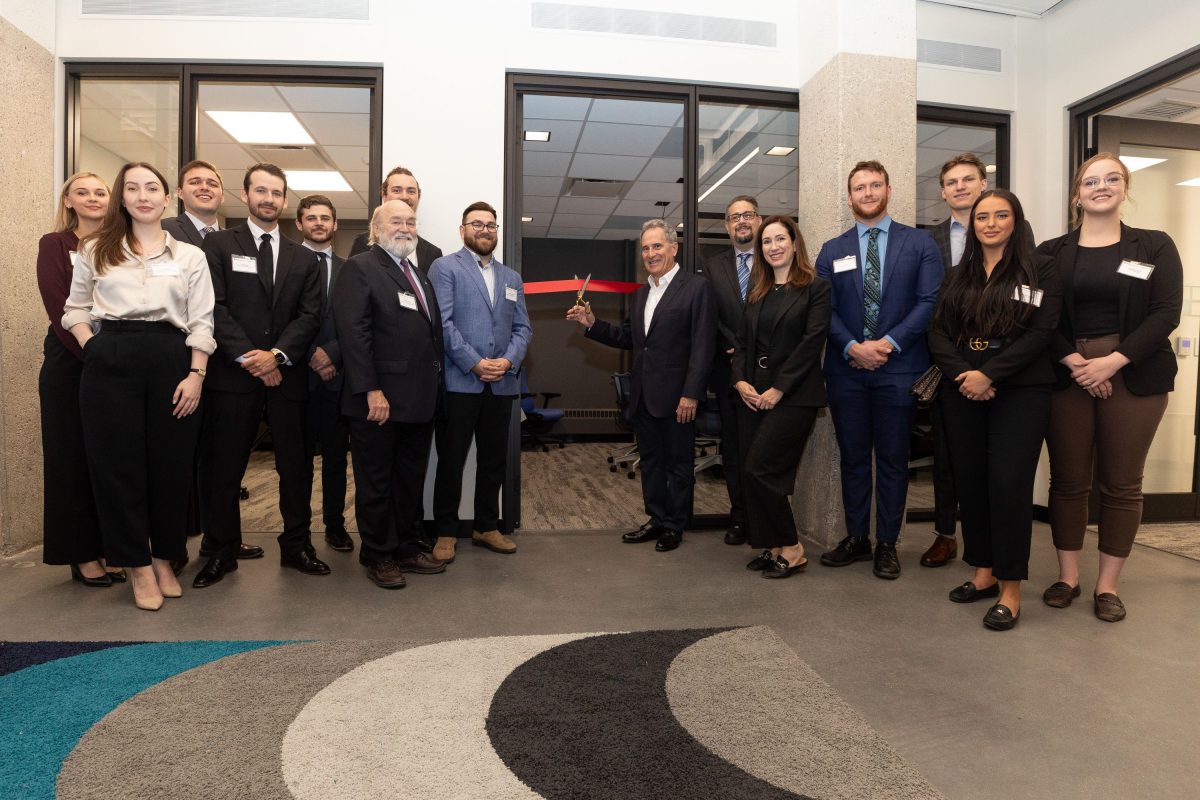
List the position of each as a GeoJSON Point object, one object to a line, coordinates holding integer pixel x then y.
{"type": "Point", "coordinates": [595, 187]}
{"type": "Point", "coordinates": [264, 9]}
{"type": "Point", "coordinates": [661, 24]}
{"type": "Point", "coordinates": [956, 54]}
{"type": "Point", "coordinates": [1167, 109]}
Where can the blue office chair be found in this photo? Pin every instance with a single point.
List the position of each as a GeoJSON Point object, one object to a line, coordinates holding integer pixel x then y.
{"type": "Point", "coordinates": [538, 422]}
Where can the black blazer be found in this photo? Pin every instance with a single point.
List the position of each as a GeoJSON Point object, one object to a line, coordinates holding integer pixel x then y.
{"type": "Point", "coordinates": [1149, 310]}
{"type": "Point", "coordinates": [1024, 360]}
{"type": "Point", "coordinates": [797, 339]}
{"type": "Point", "coordinates": [385, 345]}
{"type": "Point", "coordinates": [247, 318]}
{"type": "Point", "coordinates": [721, 271]}
{"type": "Point", "coordinates": [427, 252]}
{"type": "Point", "coordinates": [184, 230]}
{"type": "Point", "coordinates": [672, 360]}
{"type": "Point", "coordinates": [327, 334]}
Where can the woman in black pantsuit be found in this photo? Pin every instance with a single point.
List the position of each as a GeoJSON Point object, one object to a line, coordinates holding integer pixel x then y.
{"type": "Point", "coordinates": [990, 337]}
{"type": "Point", "coordinates": [70, 529]}
{"type": "Point", "coordinates": [777, 373]}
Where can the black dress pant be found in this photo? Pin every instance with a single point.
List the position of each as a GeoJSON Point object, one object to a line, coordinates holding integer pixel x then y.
{"type": "Point", "coordinates": [139, 455]}
{"type": "Point", "coordinates": [728, 402]}
{"type": "Point", "coordinates": [945, 500]}
{"type": "Point", "coordinates": [70, 527]}
{"type": "Point", "coordinates": [994, 448]}
{"type": "Point", "coordinates": [328, 429]}
{"type": "Point", "coordinates": [230, 426]}
{"type": "Point", "coordinates": [772, 445]}
{"type": "Point", "coordinates": [389, 475]}
{"type": "Point", "coordinates": [483, 418]}
{"type": "Point", "coordinates": [667, 450]}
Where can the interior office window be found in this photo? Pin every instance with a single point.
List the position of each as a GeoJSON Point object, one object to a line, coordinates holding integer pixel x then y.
{"type": "Point", "coordinates": [938, 142]}
{"type": "Point", "coordinates": [124, 119]}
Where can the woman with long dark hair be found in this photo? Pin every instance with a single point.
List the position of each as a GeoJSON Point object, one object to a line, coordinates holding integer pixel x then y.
{"type": "Point", "coordinates": [70, 529]}
{"type": "Point", "coordinates": [151, 299]}
{"type": "Point", "coordinates": [1124, 294]}
{"type": "Point", "coordinates": [990, 336]}
{"type": "Point", "coordinates": [777, 374]}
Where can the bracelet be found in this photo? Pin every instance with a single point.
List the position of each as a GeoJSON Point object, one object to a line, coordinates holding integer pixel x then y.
{"type": "Point", "coordinates": [199, 371]}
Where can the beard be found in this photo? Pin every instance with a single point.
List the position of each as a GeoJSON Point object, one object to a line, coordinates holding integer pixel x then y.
{"type": "Point", "coordinates": [869, 212]}
{"type": "Point", "coordinates": [399, 246]}
{"type": "Point", "coordinates": [482, 246]}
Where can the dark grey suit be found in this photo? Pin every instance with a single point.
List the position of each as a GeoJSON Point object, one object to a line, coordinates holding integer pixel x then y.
{"type": "Point", "coordinates": [426, 254]}
{"type": "Point", "coordinates": [184, 230]}
{"type": "Point", "coordinates": [325, 425]}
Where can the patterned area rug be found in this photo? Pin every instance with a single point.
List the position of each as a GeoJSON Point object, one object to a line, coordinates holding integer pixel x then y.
{"type": "Point", "coordinates": [729, 713]}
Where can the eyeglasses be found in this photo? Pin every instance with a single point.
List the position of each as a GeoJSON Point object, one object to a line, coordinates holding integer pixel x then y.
{"type": "Point", "coordinates": [748, 216]}
{"type": "Point", "coordinates": [478, 226]}
{"type": "Point", "coordinates": [1110, 180]}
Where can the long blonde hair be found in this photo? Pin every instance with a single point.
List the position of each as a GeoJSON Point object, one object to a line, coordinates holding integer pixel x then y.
{"type": "Point", "coordinates": [65, 219]}
{"type": "Point", "coordinates": [1077, 181]}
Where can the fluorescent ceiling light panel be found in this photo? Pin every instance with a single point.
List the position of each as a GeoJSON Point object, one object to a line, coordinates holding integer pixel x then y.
{"type": "Point", "coordinates": [537, 136]}
{"type": "Point", "coordinates": [1193, 182]}
{"type": "Point", "coordinates": [990, 169]}
{"type": "Point", "coordinates": [780, 150]}
{"type": "Point", "coordinates": [317, 180]}
{"type": "Point", "coordinates": [526, 219]}
{"type": "Point", "coordinates": [262, 127]}
{"type": "Point", "coordinates": [727, 175]}
{"type": "Point", "coordinates": [1134, 163]}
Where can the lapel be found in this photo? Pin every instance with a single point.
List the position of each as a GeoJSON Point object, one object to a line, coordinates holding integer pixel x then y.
{"type": "Point", "coordinates": [638, 315]}
{"type": "Point", "coordinates": [1129, 252]}
{"type": "Point", "coordinates": [189, 230]}
{"type": "Point", "coordinates": [851, 249]}
{"type": "Point", "coordinates": [897, 239]}
{"type": "Point", "coordinates": [289, 253]}
{"type": "Point", "coordinates": [942, 237]}
{"type": "Point", "coordinates": [392, 270]}
{"type": "Point", "coordinates": [669, 295]}
{"type": "Point", "coordinates": [725, 268]}
{"type": "Point", "coordinates": [249, 247]}
{"type": "Point", "coordinates": [1066, 272]}
{"type": "Point", "coordinates": [476, 275]}
{"type": "Point", "coordinates": [791, 296]}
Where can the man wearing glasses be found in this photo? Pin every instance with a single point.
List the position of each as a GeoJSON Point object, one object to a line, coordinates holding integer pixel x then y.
{"type": "Point", "coordinates": [401, 184]}
{"type": "Point", "coordinates": [486, 332]}
{"type": "Point", "coordinates": [729, 274]}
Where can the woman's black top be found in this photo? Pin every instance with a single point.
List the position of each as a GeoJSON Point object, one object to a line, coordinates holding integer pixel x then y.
{"type": "Point", "coordinates": [1096, 291]}
{"type": "Point", "coordinates": [784, 352]}
{"type": "Point", "coordinates": [772, 306]}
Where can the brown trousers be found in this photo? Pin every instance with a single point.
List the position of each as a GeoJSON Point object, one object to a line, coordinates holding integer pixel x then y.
{"type": "Point", "coordinates": [1118, 431]}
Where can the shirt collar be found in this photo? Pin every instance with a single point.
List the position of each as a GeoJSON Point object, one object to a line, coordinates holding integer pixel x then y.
{"type": "Point", "coordinates": [665, 280]}
{"type": "Point", "coordinates": [883, 225]}
{"type": "Point", "coordinates": [257, 233]}
{"type": "Point", "coordinates": [328, 251]}
{"type": "Point", "coordinates": [170, 245]}
{"type": "Point", "coordinates": [956, 224]}
{"type": "Point", "coordinates": [479, 259]}
{"type": "Point", "coordinates": [201, 224]}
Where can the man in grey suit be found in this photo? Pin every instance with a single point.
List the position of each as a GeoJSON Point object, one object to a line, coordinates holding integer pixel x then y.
{"type": "Point", "coordinates": [486, 333]}
{"type": "Point", "coordinates": [202, 193]}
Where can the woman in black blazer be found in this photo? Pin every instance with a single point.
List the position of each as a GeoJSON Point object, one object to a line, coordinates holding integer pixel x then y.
{"type": "Point", "coordinates": [777, 373]}
{"type": "Point", "coordinates": [990, 336]}
{"type": "Point", "coordinates": [1123, 295]}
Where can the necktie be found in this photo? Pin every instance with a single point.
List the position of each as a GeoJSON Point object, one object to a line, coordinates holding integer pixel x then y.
{"type": "Point", "coordinates": [743, 269]}
{"type": "Point", "coordinates": [872, 290]}
{"type": "Point", "coordinates": [206, 230]}
{"type": "Point", "coordinates": [266, 263]}
{"type": "Point", "coordinates": [415, 284]}
{"type": "Point", "coordinates": [323, 263]}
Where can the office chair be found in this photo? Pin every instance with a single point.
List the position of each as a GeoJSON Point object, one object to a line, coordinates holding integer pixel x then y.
{"type": "Point", "coordinates": [708, 435]}
{"type": "Point", "coordinates": [626, 457]}
{"type": "Point", "coordinates": [538, 422]}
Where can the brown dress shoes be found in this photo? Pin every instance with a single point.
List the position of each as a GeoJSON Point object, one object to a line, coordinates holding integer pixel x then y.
{"type": "Point", "coordinates": [943, 550]}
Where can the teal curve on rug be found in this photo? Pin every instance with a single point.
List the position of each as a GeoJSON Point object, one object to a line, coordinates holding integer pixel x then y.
{"type": "Point", "coordinates": [46, 708]}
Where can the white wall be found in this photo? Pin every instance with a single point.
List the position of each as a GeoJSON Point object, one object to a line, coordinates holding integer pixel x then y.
{"type": "Point", "coordinates": [963, 87]}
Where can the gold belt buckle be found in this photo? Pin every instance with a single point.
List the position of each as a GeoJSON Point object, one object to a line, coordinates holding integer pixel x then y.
{"type": "Point", "coordinates": [977, 344]}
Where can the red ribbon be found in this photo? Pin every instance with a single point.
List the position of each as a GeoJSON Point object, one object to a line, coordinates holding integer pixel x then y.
{"type": "Point", "coordinates": [575, 284]}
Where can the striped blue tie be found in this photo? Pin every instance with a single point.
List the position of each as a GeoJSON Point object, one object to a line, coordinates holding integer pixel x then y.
{"type": "Point", "coordinates": [743, 268]}
{"type": "Point", "coordinates": [872, 290]}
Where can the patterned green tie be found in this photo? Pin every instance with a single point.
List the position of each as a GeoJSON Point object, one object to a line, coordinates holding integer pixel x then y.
{"type": "Point", "coordinates": [872, 290]}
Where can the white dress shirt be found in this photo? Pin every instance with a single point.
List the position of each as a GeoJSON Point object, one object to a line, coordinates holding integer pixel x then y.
{"type": "Point", "coordinates": [656, 293]}
{"type": "Point", "coordinates": [489, 275]}
{"type": "Point", "coordinates": [257, 234]}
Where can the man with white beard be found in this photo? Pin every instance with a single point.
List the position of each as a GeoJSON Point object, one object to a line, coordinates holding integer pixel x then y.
{"type": "Point", "coordinates": [390, 333]}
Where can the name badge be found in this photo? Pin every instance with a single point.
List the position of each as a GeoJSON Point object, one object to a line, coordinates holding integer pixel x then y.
{"type": "Point", "coordinates": [74, 256]}
{"type": "Point", "coordinates": [408, 301]}
{"type": "Point", "coordinates": [1027, 295]}
{"type": "Point", "coordinates": [845, 264]}
{"type": "Point", "coordinates": [164, 269]}
{"type": "Point", "coordinates": [510, 294]}
{"type": "Point", "coordinates": [245, 264]}
{"type": "Point", "coordinates": [1135, 269]}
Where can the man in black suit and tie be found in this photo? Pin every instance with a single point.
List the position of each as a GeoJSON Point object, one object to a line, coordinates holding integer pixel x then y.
{"type": "Point", "coordinates": [729, 274]}
{"type": "Point", "coordinates": [268, 306]}
{"type": "Point", "coordinates": [672, 331]}
{"type": "Point", "coordinates": [316, 219]}
{"type": "Point", "coordinates": [401, 184]}
{"type": "Point", "coordinates": [390, 334]}
{"type": "Point", "coordinates": [202, 193]}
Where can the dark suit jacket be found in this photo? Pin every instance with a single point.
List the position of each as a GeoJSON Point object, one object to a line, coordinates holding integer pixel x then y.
{"type": "Point", "coordinates": [794, 360]}
{"type": "Point", "coordinates": [184, 230]}
{"type": "Point", "coordinates": [941, 237]}
{"type": "Point", "coordinates": [247, 318]}
{"type": "Point", "coordinates": [721, 271]}
{"type": "Point", "coordinates": [384, 345]}
{"type": "Point", "coordinates": [1149, 310]}
{"type": "Point", "coordinates": [1024, 360]}
{"type": "Point", "coordinates": [912, 276]}
{"type": "Point", "coordinates": [427, 252]}
{"type": "Point", "coordinates": [673, 359]}
{"type": "Point", "coordinates": [327, 334]}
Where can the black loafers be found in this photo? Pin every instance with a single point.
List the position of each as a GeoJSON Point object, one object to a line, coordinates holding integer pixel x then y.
{"type": "Point", "coordinates": [645, 533]}
{"type": "Point", "coordinates": [1108, 607]}
{"type": "Point", "coordinates": [968, 593]}
{"type": "Point", "coordinates": [849, 550]}
{"type": "Point", "coordinates": [761, 561]}
{"type": "Point", "coordinates": [780, 568]}
{"type": "Point", "coordinates": [668, 540]}
{"type": "Point", "coordinates": [1000, 618]}
{"type": "Point", "coordinates": [1060, 594]}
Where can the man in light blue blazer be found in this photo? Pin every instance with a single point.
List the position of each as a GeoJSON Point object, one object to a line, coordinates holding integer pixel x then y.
{"type": "Point", "coordinates": [486, 332]}
{"type": "Point", "coordinates": [885, 279]}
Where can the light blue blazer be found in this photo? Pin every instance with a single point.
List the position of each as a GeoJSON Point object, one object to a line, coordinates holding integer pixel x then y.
{"type": "Point", "coordinates": [473, 328]}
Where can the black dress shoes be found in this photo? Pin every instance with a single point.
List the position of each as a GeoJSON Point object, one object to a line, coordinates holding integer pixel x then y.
{"type": "Point", "coordinates": [668, 540]}
{"type": "Point", "coordinates": [1000, 618]}
{"type": "Point", "coordinates": [213, 571]}
{"type": "Point", "coordinates": [849, 550]}
{"type": "Point", "coordinates": [735, 535]}
{"type": "Point", "coordinates": [386, 575]}
{"type": "Point", "coordinates": [761, 561]}
{"type": "Point", "coordinates": [118, 575]}
{"type": "Point", "coordinates": [305, 561]}
{"type": "Point", "coordinates": [968, 593]}
{"type": "Point", "coordinates": [339, 540]}
{"type": "Point", "coordinates": [177, 564]}
{"type": "Point", "coordinates": [245, 551]}
{"type": "Point", "coordinates": [780, 568]}
{"type": "Point", "coordinates": [99, 581]}
{"type": "Point", "coordinates": [643, 534]}
{"type": "Point", "coordinates": [887, 563]}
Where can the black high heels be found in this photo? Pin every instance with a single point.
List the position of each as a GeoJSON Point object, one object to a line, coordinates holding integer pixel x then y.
{"type": "Point", "coordinates": [104, 580]}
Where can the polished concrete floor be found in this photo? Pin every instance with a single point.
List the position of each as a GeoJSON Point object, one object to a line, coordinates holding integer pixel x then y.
{"type": "Point", "coordinates": [1064, 706]}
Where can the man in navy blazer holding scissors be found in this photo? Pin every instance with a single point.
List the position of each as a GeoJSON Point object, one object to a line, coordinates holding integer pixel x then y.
{"type": "Point", "coordinates": [885, 279]}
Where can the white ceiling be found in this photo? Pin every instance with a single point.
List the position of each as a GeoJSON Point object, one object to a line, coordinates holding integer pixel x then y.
{"type": "Point", "coordinates": [937, 144]}
{"type": "Point", "coordinates": [1185, 91]}
{"type": "Point", "coordinates": [1016, 8]}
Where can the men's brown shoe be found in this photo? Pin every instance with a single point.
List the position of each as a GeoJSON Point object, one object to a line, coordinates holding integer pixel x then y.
{"type": "Point", "coordinates": [386, 575]}
{"type": "Point", "coordinates": [943, 550]}
{"type": "Point", "coordinates": [495, 541]}
{"type": "Point", "coordinates": [443, 548]}
{"type": "Point", "coordinates": [421, 563]}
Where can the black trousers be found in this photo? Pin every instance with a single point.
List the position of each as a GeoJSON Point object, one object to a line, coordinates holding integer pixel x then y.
{"type": "Point", "coordinates": [139, 455]}
{"type": "Point", "coordinates": [329, 430]}
{"type": "Point", "coordinates": [389, 475]}
{"type": "Point", "coordinates": [70, 526]}
{"type": "Point", "coordinates": [482, 418]}
{"type": "Point", "coordinates": [945, 500]}
{"type": "Point", "coordinates": [728, 402]}
{"type": "Point", "coordinates": [772, 445]}
{"type": "Point", "coordinates": [230, 425]}
{"type": "Point", "coordinates": [667, 450]}
{"type": "Point", "coordinates": [994, 448]}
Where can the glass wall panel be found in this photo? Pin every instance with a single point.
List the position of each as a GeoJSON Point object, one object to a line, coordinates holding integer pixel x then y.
{"type": "Point", "coordinates": [937, 143]}
{"type": "Point", "coordinates": [124, 119]}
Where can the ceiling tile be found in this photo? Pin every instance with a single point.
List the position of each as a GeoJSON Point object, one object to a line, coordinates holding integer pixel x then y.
{"type": "Point", "coordinates": [544, 106]}
{"type": "Point", "coordinates": [619, 168]}
{"type": "Point", "coordinates": [563, 135]}
{"type": "Point", "coordinates": [637, 112]}
{"type": "Point", "coordinates": [655, 190]}
{"type": "Point", "coordinates": [562, 220]}
{"type": "Point", "coordinates": [586, 205]}
{"type": "Point", "coordinates": [348, 158]}
{"type": "Point", "coordinates": [239, 97]}
{"type": "Point", "coordinates": [618, 139]}
{"type": "Point", "coordinates": [531, 204]}
{"type": "Point", "coordinates": [546, 164]}
{"type": "Point", "coordinates": [333, 99]}
{"type": "Point", "coordinates": [545, 187]}
{"type": "Point", "coordinates": [666, 170]}
{"type": "Point", "coordinates": [338, 129]}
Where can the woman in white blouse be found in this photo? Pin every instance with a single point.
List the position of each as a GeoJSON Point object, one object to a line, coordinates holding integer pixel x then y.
{"type": "Point", "coordinates": [141, 306]}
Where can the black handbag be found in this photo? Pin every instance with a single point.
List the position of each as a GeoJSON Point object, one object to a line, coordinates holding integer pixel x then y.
{"type": "Point", "coordinates": [926, 386]}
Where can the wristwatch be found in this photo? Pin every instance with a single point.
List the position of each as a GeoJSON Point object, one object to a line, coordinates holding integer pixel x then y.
{"type": "Point", "coordinates": [199, 371]}
{"type": "Point", "coordinates": [280, 358]}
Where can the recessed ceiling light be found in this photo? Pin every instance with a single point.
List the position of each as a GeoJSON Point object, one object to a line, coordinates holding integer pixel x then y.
{"type": "Point", "coordinates": [1193, 182]}
{"type": "Point", "coordinates": [537, 136]}
{"type": "Point", "coordinates": [262, 127]}
{"type": "Point", "coordinates": [1134, 163]}
{"type": "Point", "coordinates": [780, 150]}
{"type": "Point", "coordinates": [680, 226]}
{"type": "Point", "coordinates": [990, 169]}
{"type": "Point", "coordinates": [526, 219]}
{"type": "Point", "coordinates": [316, 180]}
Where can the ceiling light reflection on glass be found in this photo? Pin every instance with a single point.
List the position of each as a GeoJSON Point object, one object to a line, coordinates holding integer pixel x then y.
{"type": "Point", "coordinates": [780, 150]}
{"type": "Point", "coordinates": [1193, 182]}
{"type": "Point", "coordinates": [727, 175]}
{"type": "Point", "coordinates": [1134, 163]}
{"type": "Point", "coordinates": [262, 127]}
{"type": "Point", "coordinates": [537, 136]}
{"type": "Point", "coordinates": [317, 180]}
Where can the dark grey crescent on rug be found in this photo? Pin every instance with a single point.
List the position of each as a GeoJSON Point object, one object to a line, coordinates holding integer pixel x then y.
{"type": "Point", "coordinates": [717, 713]}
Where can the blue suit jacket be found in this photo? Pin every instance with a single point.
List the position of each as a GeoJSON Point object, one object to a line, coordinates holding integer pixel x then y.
{"type": "Point", "coordinates": [472, 328]}
{"type": "Point", "coordinates": [912, 276]}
